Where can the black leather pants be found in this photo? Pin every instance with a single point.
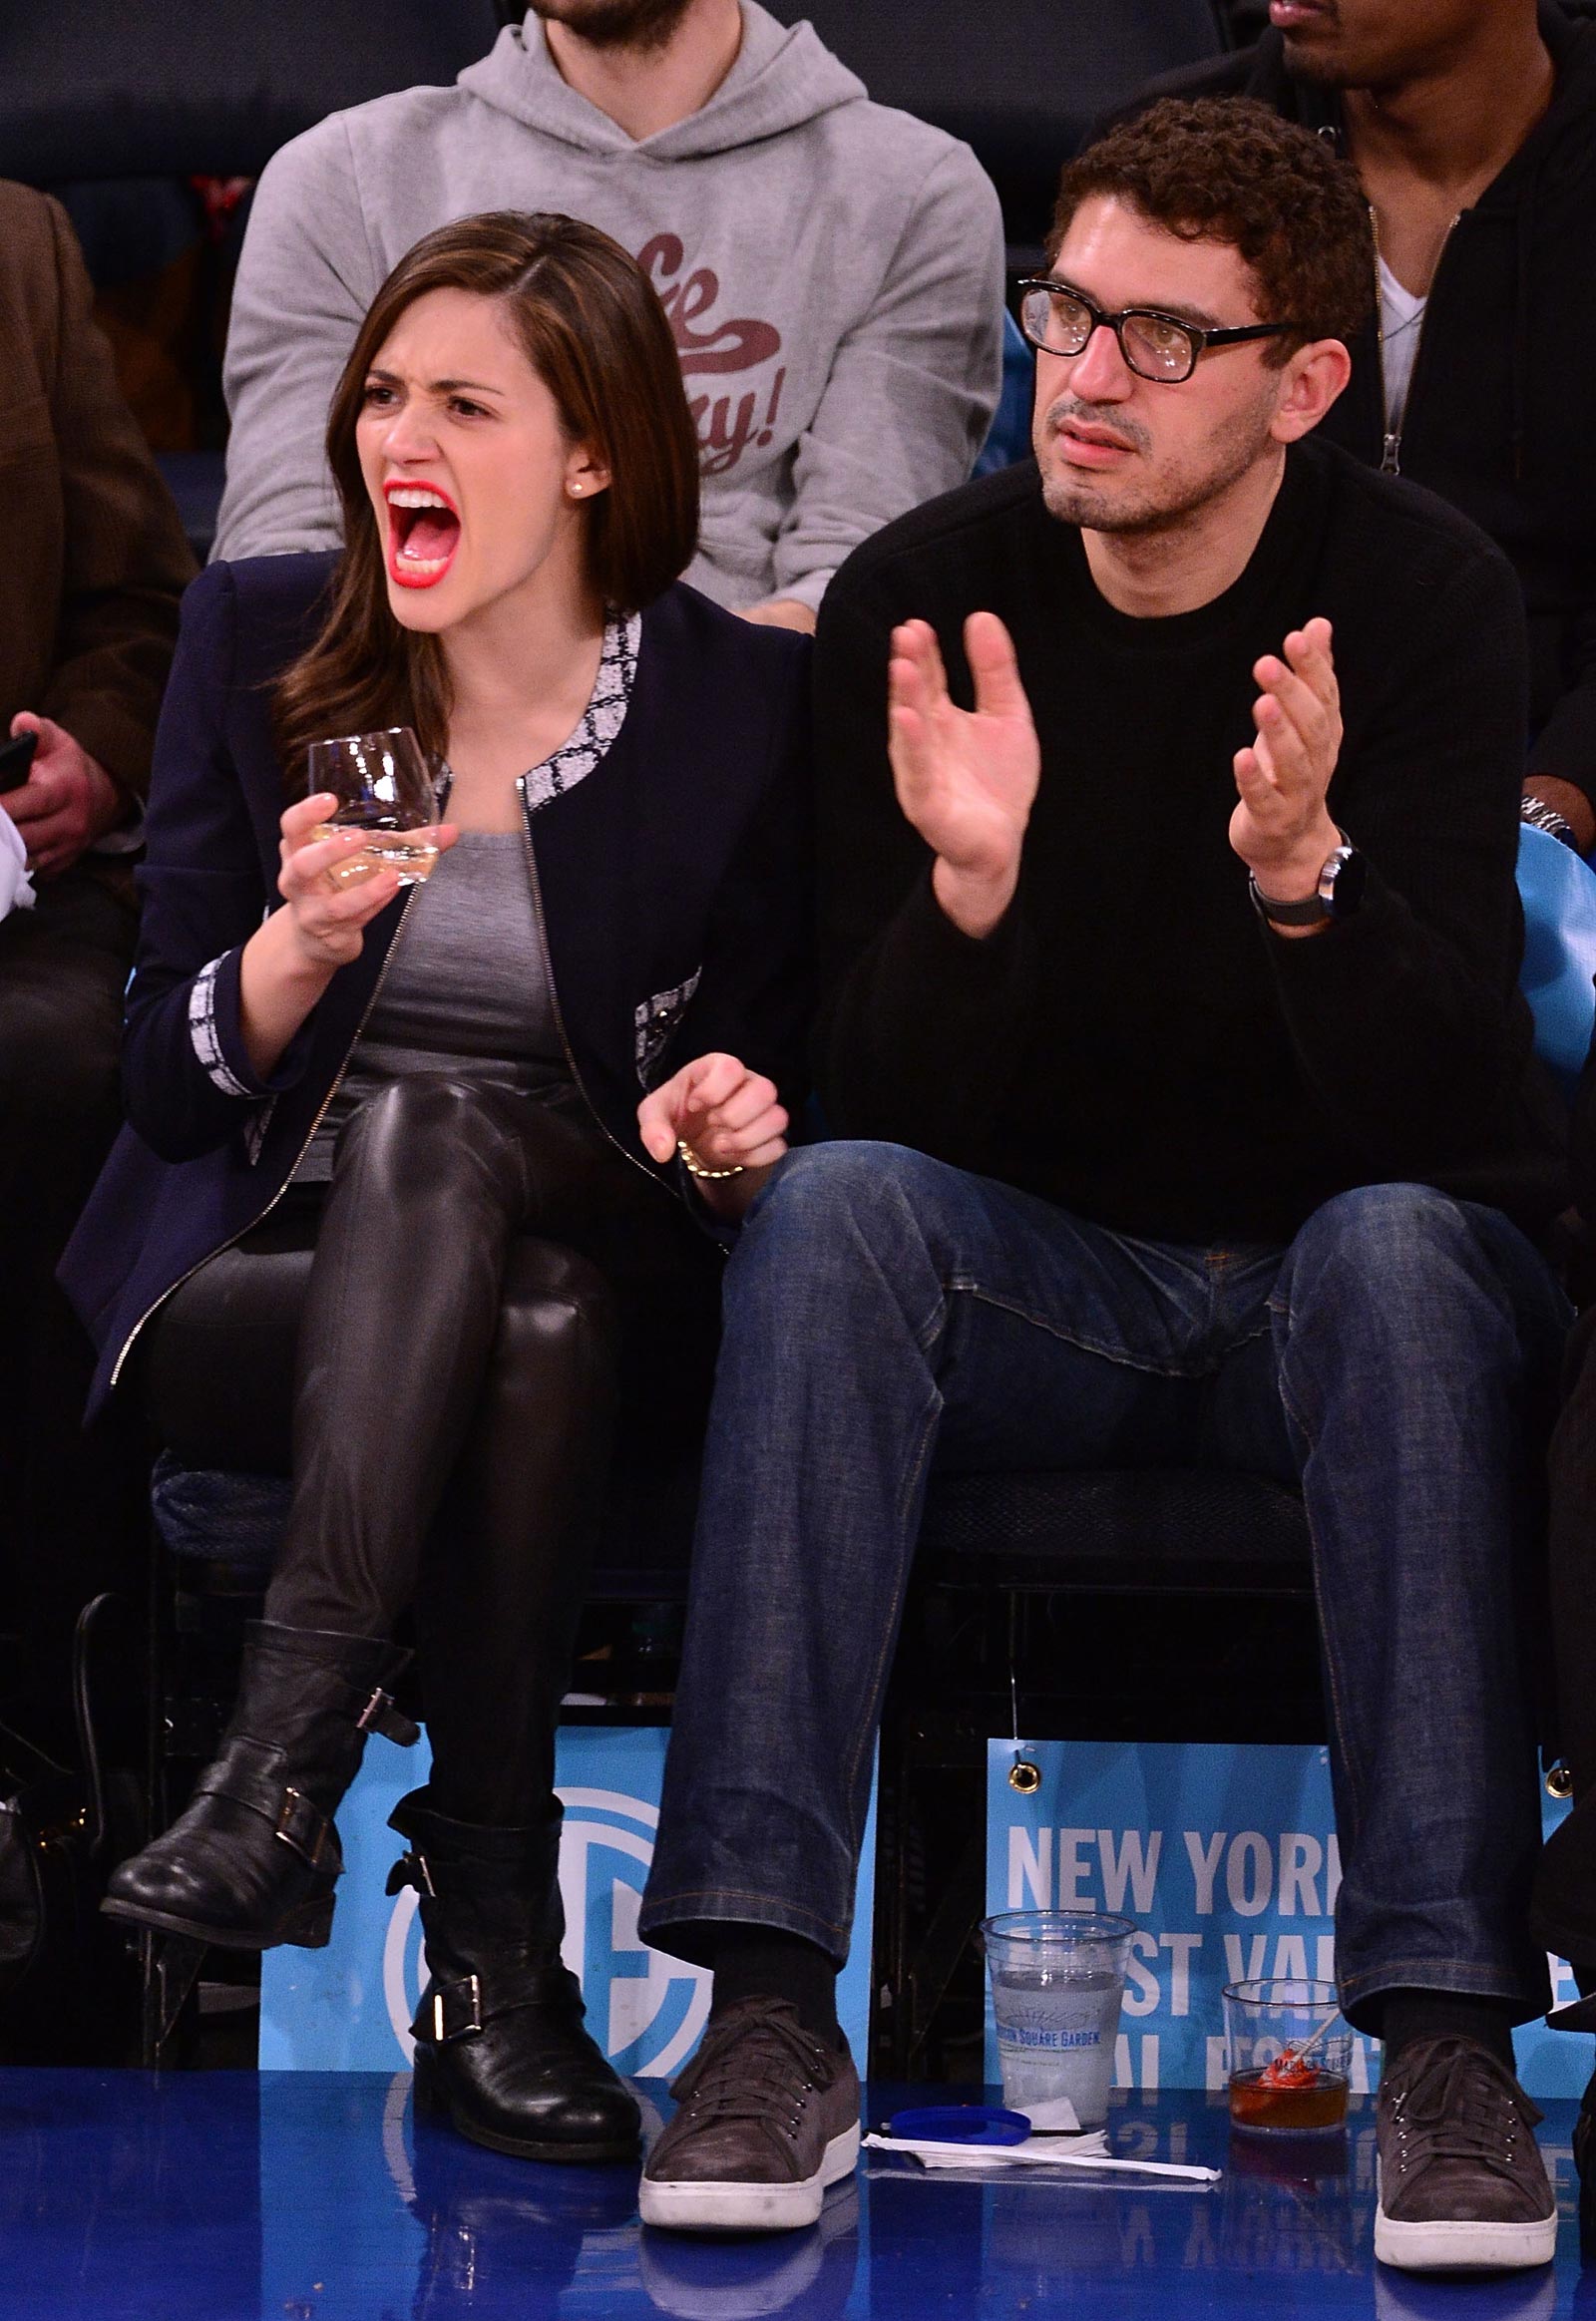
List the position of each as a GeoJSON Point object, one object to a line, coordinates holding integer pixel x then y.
{"type": "Point", "coordinates": [484, 1269]}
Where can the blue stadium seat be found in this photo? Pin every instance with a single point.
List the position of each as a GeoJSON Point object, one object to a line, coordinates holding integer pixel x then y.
{"type": "Point", "coordinates": [197, 87]}
{"type": "Point", "coordinates": [1008, 437]}
{"type": "Point", "coordinates": [1021, 81]}
{"type": "Point", "coordinates": [99, 90]}
{"type": "Point", "coordinates": [1558, 977]}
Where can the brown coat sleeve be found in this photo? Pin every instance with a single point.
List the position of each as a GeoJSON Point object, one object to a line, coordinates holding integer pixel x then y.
{"type": "Point", "coordinates": [96, 560]}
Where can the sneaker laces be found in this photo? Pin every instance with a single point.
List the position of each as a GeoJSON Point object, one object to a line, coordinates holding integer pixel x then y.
{"type": "Point", "coordinates": [1455, 2105]}
{"type": "Point", "coordinates": [753, 2061]}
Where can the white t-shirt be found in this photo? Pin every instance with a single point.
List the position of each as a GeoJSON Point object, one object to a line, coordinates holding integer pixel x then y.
{"type": "Point", "coordinates": [1400, 319]}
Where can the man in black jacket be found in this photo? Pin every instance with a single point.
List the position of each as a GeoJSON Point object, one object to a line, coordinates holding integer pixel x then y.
{"type": "Point", "coordinates": [1472, 126]}
{"type": "Point", "coordinates": [1150, 1160]}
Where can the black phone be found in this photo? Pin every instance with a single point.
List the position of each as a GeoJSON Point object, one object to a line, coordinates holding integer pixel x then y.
{"type": "Point", "coordinates": [15, 759]}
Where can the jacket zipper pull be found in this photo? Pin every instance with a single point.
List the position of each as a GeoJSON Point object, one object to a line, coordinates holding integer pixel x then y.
{"type": "Point", "coordinates": [1392, 463]}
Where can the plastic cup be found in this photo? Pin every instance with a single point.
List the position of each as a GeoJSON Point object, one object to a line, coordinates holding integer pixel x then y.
{"type": "Point", "coordinates": [1057, 1978]}
{"type": "Point", "coordinates": [1265, 2020]}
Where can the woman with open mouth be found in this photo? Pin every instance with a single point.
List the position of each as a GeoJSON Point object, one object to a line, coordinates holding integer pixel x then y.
{"type": "Point", "coordinates": [553, 1065]}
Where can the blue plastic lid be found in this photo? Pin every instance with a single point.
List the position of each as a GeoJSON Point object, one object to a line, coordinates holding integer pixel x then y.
{"type": "Point", "coordinates": [960, 2124]}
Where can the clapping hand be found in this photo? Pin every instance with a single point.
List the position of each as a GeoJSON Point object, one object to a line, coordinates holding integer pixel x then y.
{"type": "Point", "coordinates": [965, 778]}
{"type": "Point", "coordinates": [1281, 827]}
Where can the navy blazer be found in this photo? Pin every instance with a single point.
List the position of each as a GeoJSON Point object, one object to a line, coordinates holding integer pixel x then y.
{"type": "Point", "coordinates": [675, 889]}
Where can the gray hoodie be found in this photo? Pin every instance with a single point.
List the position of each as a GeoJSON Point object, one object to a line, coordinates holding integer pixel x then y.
{"type": "Point", "coordinates": [833, 271]}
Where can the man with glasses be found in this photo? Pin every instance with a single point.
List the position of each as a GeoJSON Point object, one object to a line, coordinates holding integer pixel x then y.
{"type": "Point", "coordinates": [1188, 1119]}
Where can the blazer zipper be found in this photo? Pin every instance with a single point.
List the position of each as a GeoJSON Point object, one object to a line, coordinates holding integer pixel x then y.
{"type": "Point", "coordinates": [1390, 463]}
{"type": "Point", "coordinates": [310, 1138]}
{"type": "Point", "coordinates": [553, 996]}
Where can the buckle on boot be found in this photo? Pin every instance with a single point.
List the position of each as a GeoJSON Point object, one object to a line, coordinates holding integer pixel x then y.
{"type": "Point", "coordinates": [380, 1715]}
{"type": "Point", "coordinates": [305, 1828]}
{"type": "Point", "coordinates": [410, 1871]}
{"type": "Point", "coordinates": [453, 2015]}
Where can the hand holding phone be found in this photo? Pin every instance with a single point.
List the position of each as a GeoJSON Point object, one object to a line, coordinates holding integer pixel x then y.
{"type": "Point", "coordinates": [60, 798]}
{"type": "Point", "coordinates": [16, 757]}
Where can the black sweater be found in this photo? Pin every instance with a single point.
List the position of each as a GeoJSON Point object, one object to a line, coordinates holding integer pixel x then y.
{"type": "Point", "coordinates": [1497, 411]}
{"type": "Point", "coordinates": [1131, 1041]}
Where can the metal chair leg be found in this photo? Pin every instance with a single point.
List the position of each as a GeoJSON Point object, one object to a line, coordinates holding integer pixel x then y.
{"type": "Point", "coordinates": [170, 1965]}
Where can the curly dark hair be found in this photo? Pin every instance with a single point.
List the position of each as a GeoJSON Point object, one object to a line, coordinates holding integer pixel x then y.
{"type": "Point", "coordinates": [1228, 169]}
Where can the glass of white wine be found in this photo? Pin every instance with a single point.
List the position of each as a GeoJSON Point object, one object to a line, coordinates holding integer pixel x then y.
{"type": "Point", "coordinates": [383, 788]}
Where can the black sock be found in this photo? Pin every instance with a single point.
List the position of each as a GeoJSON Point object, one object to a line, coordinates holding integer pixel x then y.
{"type": "Point", "coordinates": [1410, 2015]}
{"type": "Point", "coordinates": [766, 1963]}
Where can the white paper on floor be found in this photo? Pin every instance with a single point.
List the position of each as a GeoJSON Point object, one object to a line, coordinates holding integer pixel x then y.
{"type": "Point", "coordinates": [1081, 2151]}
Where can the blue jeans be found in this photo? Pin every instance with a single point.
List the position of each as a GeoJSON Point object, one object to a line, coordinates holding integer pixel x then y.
{"type": "Point", "coordinates": [886, 1313]}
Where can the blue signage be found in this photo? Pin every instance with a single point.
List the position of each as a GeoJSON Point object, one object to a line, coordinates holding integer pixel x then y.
{"type": "Point", "coordinates": [1226, 1858]}
{"type": "Point", "coordinates": [349, 2007]}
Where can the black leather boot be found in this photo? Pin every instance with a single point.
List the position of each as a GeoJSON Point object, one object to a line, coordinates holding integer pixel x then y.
{"type": "Point", "coordinates": [500, 2042]}
{"type": "Point", "coordinates": [253, 1858]}
{"type": "Point", "coordinates": [502, 2240]}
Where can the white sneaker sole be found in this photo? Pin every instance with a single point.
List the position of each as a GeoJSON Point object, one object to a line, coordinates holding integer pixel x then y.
{"type": "Point", "coordinates": [730, 2208]}
{"type": "Point", "coordinates": [1463, 2247]}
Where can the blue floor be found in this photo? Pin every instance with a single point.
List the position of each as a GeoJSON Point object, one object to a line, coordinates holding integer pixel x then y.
{"type": "Point", "coordinates": [297, 2196]}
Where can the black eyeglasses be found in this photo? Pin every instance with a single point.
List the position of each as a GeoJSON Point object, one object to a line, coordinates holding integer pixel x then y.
{"type": "Point", "coordinates": [1156, 346]}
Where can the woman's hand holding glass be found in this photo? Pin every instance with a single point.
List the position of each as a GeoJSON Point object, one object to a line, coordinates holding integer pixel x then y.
{"type": "Point", "coordinates": [329, 902]}
{"type": "Point", "coordinates": [329, 899]}
{"type": "Point", "coordinates": [729, 1119]}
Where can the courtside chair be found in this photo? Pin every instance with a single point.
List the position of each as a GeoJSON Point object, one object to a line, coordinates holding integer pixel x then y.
{"type": "Point", "coordinates": [1163, 1604]}
{"type": "Point", "coordinates": [1007, 1566]}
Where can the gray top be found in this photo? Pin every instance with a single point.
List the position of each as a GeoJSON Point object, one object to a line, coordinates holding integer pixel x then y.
{"type": "Point", "coordinates": [466, 991]}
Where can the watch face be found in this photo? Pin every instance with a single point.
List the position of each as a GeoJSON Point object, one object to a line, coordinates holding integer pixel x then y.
{"type": "Point", "coordinates": [1342, 881]}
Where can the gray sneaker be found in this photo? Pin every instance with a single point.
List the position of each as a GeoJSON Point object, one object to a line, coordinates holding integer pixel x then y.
{"type": "Point", "coordinates": [1463, 2185]}
{"type": "Point", "coordinates": [767, 2116]}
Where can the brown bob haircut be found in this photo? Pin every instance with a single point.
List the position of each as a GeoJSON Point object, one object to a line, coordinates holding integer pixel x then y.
{"type": "Point", "coordinates": [593, 330]}
{"type": "Point", "coordinates": [1228, 169]}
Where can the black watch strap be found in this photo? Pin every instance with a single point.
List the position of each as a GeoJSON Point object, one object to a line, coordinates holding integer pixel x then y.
{"type": "Point", "coordinates": [1339, 890]}
{"type": "Point", "coordinates": [1310, 912]}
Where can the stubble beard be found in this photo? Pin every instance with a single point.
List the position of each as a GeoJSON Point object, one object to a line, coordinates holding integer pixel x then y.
{"type": "Point", "coordinates": [646, 25]}
{"type": "Point", "coordinates": [1340, 61]}
{"type": "Point", "coordinates": [1307, 60]}
{"type": "Point", "coordinates": [1332, 69]}
{"type": "Point", "coordinates": [1168, 502]}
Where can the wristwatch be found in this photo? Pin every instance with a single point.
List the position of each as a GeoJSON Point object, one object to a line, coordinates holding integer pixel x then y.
{"type": "Point", "coordinates": [1337, 896]}
{"type": "Point", "coordinates": [1540, 815]}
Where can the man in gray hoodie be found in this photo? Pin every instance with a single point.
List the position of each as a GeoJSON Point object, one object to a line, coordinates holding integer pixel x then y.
{"type": "Point", "coordinates": [833, 271]}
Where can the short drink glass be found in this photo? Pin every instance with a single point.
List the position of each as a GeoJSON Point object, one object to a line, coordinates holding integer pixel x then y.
{"type": "Point", "coordinates": [383, 787]}
{"type": "Point", "coordinates": [1267, 2023]}
{"type": "Point", "coordinates": [1057, 1978]}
